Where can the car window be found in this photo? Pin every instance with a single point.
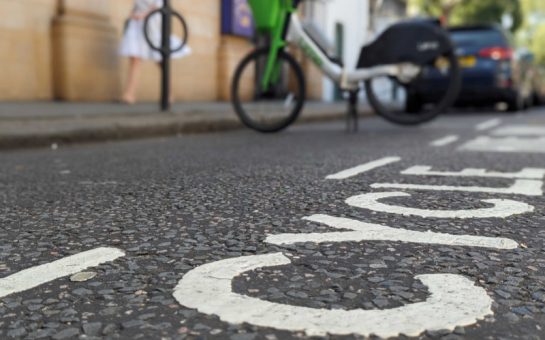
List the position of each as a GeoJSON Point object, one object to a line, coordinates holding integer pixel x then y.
{"type": "Point", "coordinates": [478, 38]}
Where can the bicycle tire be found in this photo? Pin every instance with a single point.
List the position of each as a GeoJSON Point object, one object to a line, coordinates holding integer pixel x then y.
{"type": "Point", "coordinates": [238, 103]}
{"type": "Point", "coordinates": [411, 115]}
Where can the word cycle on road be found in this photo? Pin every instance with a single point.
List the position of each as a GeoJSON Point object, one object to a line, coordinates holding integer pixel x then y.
{"type": "Point", "coordinates": [453, 300]}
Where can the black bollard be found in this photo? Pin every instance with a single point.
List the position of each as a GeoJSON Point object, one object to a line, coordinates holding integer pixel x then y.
{"type": "Point", "coordinates": [165, 49]}
{"type": "Point", "coordinates": [165, 53]}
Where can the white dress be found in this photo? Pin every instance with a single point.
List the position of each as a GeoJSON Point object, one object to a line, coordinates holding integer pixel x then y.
{"type": "Point", "coordinates": [134, 43]}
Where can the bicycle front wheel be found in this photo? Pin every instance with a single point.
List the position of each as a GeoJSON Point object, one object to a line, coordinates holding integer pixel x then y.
{"type": "Point", "coordinates": [272, 108]}
{"type": "Point", "coordinates": [421, 99]}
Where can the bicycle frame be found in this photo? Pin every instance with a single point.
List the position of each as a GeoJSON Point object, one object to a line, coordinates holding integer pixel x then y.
{"type": "Point", "coordinates": [290, 30]}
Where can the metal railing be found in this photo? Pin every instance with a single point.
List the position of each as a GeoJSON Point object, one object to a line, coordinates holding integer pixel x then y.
{"type": "Point", "coordinates": [165, 48]}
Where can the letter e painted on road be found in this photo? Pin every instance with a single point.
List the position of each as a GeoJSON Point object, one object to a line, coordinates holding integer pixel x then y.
{"type": "Point", "coordinates": [501, 208]}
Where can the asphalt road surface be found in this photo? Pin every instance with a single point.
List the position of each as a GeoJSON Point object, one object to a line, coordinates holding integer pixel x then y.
{"type": "Point", "coordinates": [435, 232]}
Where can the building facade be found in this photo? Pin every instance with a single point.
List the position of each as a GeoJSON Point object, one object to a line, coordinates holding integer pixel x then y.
{"type": "Point", "coordinates": [345, 22]}
{"type": "Point", "coordinates": [349, 25]}
{"type": "Point", "coordinates": [384, 13]}
{"type": "Point", "coordinates": [67, 50]}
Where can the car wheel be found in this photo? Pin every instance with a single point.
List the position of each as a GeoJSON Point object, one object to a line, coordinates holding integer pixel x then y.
{"type": "Point", "coordinates": [536, 99]}
{"type": "Point", "coordinates": [516, 103]}
{"type": "Point", "coordinates": [413, 103]}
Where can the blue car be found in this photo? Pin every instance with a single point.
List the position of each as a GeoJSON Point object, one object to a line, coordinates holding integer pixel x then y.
{"type": "Point", "coordinates": [489, 70]}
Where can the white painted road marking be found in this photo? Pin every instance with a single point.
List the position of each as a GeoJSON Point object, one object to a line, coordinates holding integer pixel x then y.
{"type": "Point", "coordinates": [501, 209]}
{"type": "Point", "coordinates": [375, 232]}
{"type": "Point", "coordinates": [364, 168]}
{"type": "Point", "coordinates": [526, 173]}
{"type": "Point", "coordinates": [520, 130]}
{"type": "Point", "coordinates": [36, 276]}
{"type": "Point", "coordinates": [528, 187]}
{"type": "Point", "coordinates": [505, 144]}
{"type": "Point", "coordinates": [454, 301]}
{"type": "Point", "coordinates": [445, 141]}
{"type": "Point", "coordinates": [489, 124]}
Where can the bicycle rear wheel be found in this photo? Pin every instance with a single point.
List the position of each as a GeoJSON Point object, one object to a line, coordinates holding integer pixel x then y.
{"type": "Point", "coordinates": [406, 103]}
{"type": "Point", "coordinates": [272, 109]}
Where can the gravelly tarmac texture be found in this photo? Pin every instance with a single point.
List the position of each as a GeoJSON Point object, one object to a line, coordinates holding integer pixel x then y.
{"type": "Point", "coordinates": [175, 204]}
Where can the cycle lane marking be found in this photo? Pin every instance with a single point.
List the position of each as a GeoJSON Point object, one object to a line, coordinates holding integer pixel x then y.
{"type": "Point", "coordinates": [401, 310]}
{"type": "Point", "coordinates": [445, 141]}
{"type": "Point", "coordinates": [345, 174]}
{"type": "Point", "coordinates": [502, 208]}
{"type": "Point", "coordinates": [237, 308]}
{"type": "Point", "coordinates": [520, 130]}
{"type": "Point", "coordinates": [525, 173]}
{"type": "Point", "coordinates": [35, 276]}
{"type": "Point", "coordinates": [510, 138]}
{"type": "Point", "coordinates": [208, 289]}
{"type": "Point", "coordinates": [527, 187]}
{"type": "Point", "coordinates": [489, 124]}
{"type": "Point", "coordinates": [510, 144]}
{"type": "Point", "coordinates": [362, 231]}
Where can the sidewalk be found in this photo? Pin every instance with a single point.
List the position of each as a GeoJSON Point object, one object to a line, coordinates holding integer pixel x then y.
{"type": "Point", "coordinates": [34, 124]}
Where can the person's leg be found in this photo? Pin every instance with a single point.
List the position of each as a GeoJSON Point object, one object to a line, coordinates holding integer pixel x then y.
{"type": "Point", "coordinates": [129, 95]}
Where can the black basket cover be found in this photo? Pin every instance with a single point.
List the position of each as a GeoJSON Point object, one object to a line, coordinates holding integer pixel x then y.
{"type": "Point", "coordinates": [416, 42]}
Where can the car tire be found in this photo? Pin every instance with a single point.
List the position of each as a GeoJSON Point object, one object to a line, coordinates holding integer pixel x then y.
{"type": "Point", "coordinates": [515, 103]}
{"type": "Point", "coordinates": [413, 103]}
{"type": "Point", "coordinates": [529, 102]}
{"type": "Point", "coordinates": [536, 99]}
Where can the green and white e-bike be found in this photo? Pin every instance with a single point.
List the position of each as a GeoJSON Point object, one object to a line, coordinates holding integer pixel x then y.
{"type": "Point", "coordinates": [268, 89]}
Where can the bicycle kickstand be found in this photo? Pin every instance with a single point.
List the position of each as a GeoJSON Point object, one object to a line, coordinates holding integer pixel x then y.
{"type": "Point", "coordinates": [352, 123]}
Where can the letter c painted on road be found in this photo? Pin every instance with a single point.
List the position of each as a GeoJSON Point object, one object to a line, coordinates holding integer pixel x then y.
{"type": "Point", "coordinates": [454, 301]}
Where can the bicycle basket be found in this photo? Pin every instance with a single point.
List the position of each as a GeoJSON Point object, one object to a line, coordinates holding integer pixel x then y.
{"type": "Point", "coordinates": [265, 13]}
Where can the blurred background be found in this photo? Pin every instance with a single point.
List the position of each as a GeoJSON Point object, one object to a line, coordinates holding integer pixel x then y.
{"type": "Point", "coordinates": [67, 50]}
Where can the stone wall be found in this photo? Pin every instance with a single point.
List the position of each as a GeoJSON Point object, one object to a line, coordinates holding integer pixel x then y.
{"type": "Point", "coordinates": [26, 49]}
{"type": "Point", "coordinates": [195, 77]}
{"type": "Point", "coordinates": [67, 50]}
{"type": "Point", "coordinates": [85, 64]}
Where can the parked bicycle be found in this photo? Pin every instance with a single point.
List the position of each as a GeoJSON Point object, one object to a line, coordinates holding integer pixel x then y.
{"type": "Point", "coordinates": [269, 92]}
